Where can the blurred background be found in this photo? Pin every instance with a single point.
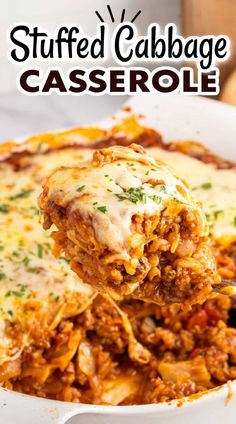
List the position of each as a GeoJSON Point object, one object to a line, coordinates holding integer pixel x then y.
{"type": "Point", "coordinates": [21, 114]}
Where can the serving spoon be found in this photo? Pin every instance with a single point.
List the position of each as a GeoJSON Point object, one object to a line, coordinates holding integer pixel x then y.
{"type": "Point", "coordinates": [226, 287]}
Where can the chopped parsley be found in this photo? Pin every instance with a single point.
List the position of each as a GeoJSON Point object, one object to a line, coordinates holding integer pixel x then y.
{"type": "Point", "coordinates": [10, 313]}
{"type": "Point", "coordinates": [33, 270]}
{"type": "Point", "coordinates": [137, 194]}
{"type": "Point", "coordinates": [235, 221]}
{"type": "Point", "coordinates": [156, 199]}
{"type": "Point", "coordinates": [4, 208]}
{"type": "Point", "coordinates": [40, 251]}
{"type": "Point", "coordinates": [31, 209]}
{"type": "Point", "coordinates": [206, 186]}
{"type": "Point", "coordinates": [64, 259]}
{"type": "Point", "coordinates": [54, 296]}
{"type": "Point", "coordinates": [35, 210]}
{"type": "Point", "coordinates": [79, 189]}
{"type": "Point", "coordinates": [134, 195]}
{"type": "Point", "coordinates": [177, 200]}
{"type": "Point", "coordinates": [17, 293]}
{"type": "Point", "coordinates": [26, 261]}
{"type": "Point", "coordinates": [2, 276]}
{"type": "Point", "coordinates": [217, 214]}
{"type": "Point", "coordinates": [162, 188]}
{"type": "Point", "coordinates": [21, 194]}
{"type": "Point", "coordinates": [102, 209]}
{"type": "Point", "coordinates": [211, 217]}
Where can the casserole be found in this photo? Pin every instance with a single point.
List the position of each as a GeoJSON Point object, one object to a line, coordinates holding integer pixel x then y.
{"type": "Point", "coordinates": [230, 115]}
{"type": "Point", "coordinates": [130, 227]}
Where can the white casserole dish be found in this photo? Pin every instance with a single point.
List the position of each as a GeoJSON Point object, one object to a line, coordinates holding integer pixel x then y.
{"type": "Point", "coordinates": [176, 117]}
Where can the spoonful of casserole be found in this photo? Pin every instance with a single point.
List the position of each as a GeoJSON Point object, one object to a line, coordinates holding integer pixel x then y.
{"type": "Point", "coordinates": [130, 227]}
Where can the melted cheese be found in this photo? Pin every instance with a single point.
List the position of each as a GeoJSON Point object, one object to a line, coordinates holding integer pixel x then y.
{"type": "Point", "coordinates": [111, 194]}
{"type": "Point", "coordinates": [214, 188]}
{"type": "Point", "coordinates": [31, 276]}
{"type": "Point", "coordinates": [33, 283]}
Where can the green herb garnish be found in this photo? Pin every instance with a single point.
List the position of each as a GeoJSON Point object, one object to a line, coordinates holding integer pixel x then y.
{"type": "Point", "coordinates": [64, 259]}
{"type": "Point", "coordinates": [17, 293]}
{"type": "Point", "coordinates": [33, 270]}
{"type": "Point", "coordinates": [26, 261]}
{"type": "Point", "coordinates": [102, 209]}
{"type": "Point", "coordinates": [4, 208]}
{"type": "Point", "coordinates": [80, 188]}
{"type": "Point", "coordinates": [217, 213]}
{"type": "Point", "coordinates": [134, 195]}
{"type": "Point", "coordinates": [156, 199]}
{"type": "Point", "coordinates": [162, 188]}
{"type": "Point", "coordinates": [40, 250]}
{"type": "Point", "coordinates": [21, 194]}
{"type": "Point", "coordinates": [206, 186]}
{"type": "Point", "coordinates": [177, 200]}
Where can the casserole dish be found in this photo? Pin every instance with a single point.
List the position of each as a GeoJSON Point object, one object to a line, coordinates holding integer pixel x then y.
{"type": "Point", "coordinates": [206, 118]}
